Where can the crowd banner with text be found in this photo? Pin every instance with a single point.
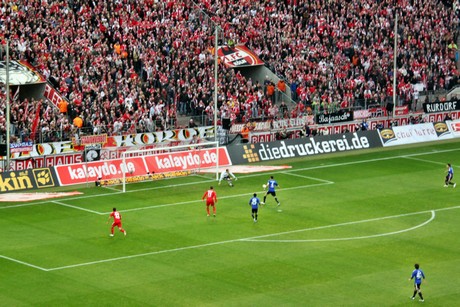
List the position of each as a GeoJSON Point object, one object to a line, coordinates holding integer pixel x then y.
{"type": "Point", "coordinates": [303, 147]}
{"type": "Point", "coordinates": [332, 118]}
{"type": "Point", "coordinates": [441, 106]}
{"type": "Point", "coordinates": [238, 56]}
{"type": "Point", "coordinates": [119, 141]}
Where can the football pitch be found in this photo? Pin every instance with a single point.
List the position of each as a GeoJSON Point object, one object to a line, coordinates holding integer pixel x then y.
{"type": "Point", "coordinates": [348, 232]}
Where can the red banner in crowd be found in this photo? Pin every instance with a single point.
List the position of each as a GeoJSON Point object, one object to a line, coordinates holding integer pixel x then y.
{"type": "Point", "coordinates": [401, 110]}
{"type": "Point", "coordinates": [36, 121]}
{"type": "Point", "coordinates": [52, 95]}
{"type": "Point", "coordinates": [238, 56]}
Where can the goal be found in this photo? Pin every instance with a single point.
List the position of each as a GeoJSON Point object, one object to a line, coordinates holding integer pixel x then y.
{"type": "Point", "coordinates": [170, 161]}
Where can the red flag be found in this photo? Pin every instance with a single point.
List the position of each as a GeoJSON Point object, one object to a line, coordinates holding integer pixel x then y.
{"type": "Point", "coordinates": [26, 110]}
{"type": "Point", "coordinates": [36, 121]}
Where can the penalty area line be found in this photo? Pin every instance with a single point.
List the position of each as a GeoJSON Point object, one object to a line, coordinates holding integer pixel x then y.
{"type": "Point", "coordinates": [222, 197]}
{"type": "Point", "coordinates": [251, 239]}
{"type": "Point", "coordinates": [24, 263]}
{"type": "Point", "coordinates": [245, 176]}
{"type": "Point", "coordinates": [75, 207]}
{"type": "Point", "coordinates": [312, 178]}
{"type": "Point", "coordinates": [433, 215]}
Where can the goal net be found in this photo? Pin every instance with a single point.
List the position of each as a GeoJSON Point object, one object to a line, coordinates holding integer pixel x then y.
{"type": "Point", "coordinates": [170, 161]}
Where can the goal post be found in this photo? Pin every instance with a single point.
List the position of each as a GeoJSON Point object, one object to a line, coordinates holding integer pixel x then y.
{"type": "Point", "coordinates": [170, 160]}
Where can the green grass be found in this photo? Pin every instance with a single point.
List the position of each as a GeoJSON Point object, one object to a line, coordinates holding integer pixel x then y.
{"type": "Point", "coordinates": [350, 230]}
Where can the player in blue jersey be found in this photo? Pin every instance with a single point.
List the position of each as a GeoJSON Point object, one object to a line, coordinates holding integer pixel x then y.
{"type": "Point", "coordinates": [449, 176]}
{"type": "Point", "coordinates": [254, 203]}
{"type": "Point", "coordinates": [417, 276]}
{"type": "Point", "coordinates": [271, 184]}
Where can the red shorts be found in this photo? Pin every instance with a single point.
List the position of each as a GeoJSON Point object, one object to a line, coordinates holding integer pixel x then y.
{"type": "Point", "coordinates": [210, 203]}
{"type": "Point", "coordinates": [118, 224]}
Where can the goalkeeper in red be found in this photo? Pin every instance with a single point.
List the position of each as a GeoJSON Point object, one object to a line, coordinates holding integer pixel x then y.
{"type": "Point", "coordinates": [211, 199]}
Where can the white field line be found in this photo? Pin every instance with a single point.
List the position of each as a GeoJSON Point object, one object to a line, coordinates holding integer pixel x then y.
{"type": "Point", "coordinates": [76, 207]}
{"type": "Point", "coordinates": [324, 182]}
{"type": "Point", "coordinates": [24, 263]}
{"type": "Point", "coordinates": [109, 194]}
{"type": "Point", "coordinates": [221, 197]}
{"type": "Point", "coordinates": [433, 215]}
{"type": "Point", "coordinates": [250, 239]}
{"type": "Point", "coordinates": [110, 188]}
{"type": "Point", "coordinates": [424, 160]}
{"type": "Point", "coordinates": [253, 175]}
{"type": "Point", "coordinates": [312, 178]}
{"type": "Point", "coordinates": [246, 176]}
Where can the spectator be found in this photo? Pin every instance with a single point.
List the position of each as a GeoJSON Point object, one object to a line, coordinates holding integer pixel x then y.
{"type": "Point", "coordinates": [192, 124]}
{"type": "Point", "coordinates": [281, 87]}
{"type": "Point", "coordinates": [283, 110]}
{"type": "Point", "coordinates": [119, 65]}
{"type": "Point", "coordinates": [271, 92]}
{"type": "Point", "coordinates": [245, 133]}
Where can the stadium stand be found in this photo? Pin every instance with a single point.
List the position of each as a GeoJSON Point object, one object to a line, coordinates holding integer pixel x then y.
{"type": "Point", "coordinates": [127, 66]}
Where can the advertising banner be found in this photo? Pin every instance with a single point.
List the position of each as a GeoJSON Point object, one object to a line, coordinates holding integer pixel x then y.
{"type": "Point", "coordinates": [45, 161]}
{"type": "Point", "coordinates": [252, 153]}
{"type": "Point", "coordinates": [454, 127]}
{"type": "Point", "coordinates": [140, 166]}
{"type": "Point", "coordinates": [38, 178]}
{"type": "Point", "coordinates": [410, 134]}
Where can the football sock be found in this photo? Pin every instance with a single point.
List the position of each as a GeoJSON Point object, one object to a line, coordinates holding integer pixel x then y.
{"type": "Point", "coordinates": [415, 293]}
{"type": "Point", "coordinates": [420, 294]}
{"type": "Point", "coordinates": [265, 198]}
{"type": "Point", "coordinates": [207, 210]}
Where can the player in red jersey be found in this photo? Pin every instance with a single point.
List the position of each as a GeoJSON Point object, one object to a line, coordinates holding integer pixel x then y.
{"type": "Point", "coordinates": [211, 200]}
{"type": "Point", "coordinates": [116, 221]}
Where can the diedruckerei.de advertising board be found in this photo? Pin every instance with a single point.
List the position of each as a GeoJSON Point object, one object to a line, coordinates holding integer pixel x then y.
{"type": "Point", "coordinates": [303, 147]}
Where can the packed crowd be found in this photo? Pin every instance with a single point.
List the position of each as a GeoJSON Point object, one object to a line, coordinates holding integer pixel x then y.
{"type": "Point", "coordinates": [129, 66]}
